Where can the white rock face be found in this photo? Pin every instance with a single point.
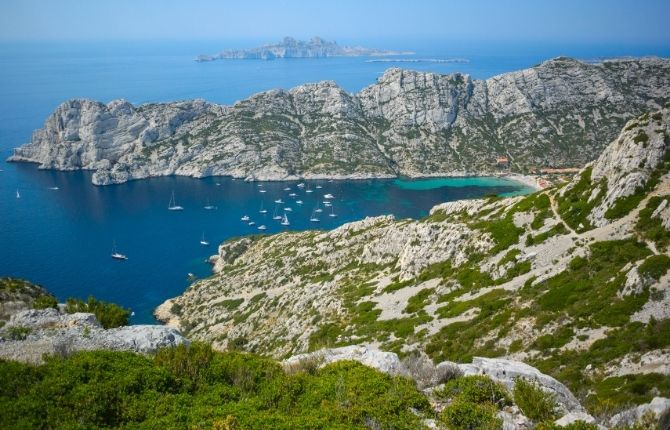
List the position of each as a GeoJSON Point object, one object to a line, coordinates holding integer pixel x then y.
{"type": "Point", "coordinates": [573, 417]}
{"type": "Point", "coordinates": [629, 161]}
{"type": "Point", "coordinates": [386, 362]}
{"type": "Point", "coordinates": [409, 123]}
{"type": "Point", "coordinates": [507, 372]}
{"type": "Point", "coordinates": [51, 332]}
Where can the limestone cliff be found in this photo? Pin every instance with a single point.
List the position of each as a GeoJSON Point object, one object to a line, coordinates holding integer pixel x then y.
{"type": "Point", "coordinates": [559, 113]}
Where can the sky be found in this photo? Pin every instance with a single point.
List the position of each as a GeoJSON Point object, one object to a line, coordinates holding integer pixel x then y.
{"type": "Point", "coordinates": [575, 21]}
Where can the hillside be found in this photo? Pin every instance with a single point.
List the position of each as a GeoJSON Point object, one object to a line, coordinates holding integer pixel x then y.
{"type": "Point", "coordinates": [573, 280]}
{"type": "Point", "coordinates": [559, 113]}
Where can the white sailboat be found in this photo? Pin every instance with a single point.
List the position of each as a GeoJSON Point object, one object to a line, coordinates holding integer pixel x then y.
{"type": "Point", "coordinates": [203, 242]}
{"type": "Point", "coordinates": [262, 191]}
{"type": "Point", "coordinates": [328, 196]}
{"type": "Point", "coordinates": [262, 227]}
{"type": "Point", "coordinates": [308, 190]}
{"type": "Point", "coordinates": [298, 202]}
{"type": "Point", "coordinates": [318, 187]}
{"type": "Point", "coordinates": [301, 185]}
{"type": "Point", "coordinates": [284, 220]}
{"type": "Point", "coordinates": [172, 206]}
{"type": "Point", "coordinates": [287, 209]}
{"type": "Point", "coordinates": [251, 223]}
{"type": "Point", "coordinates": [318, 209]}
{"type": "Point", "coordinates": [18, 195]}
{"type": "Point", "coordinates": [54, 188]}
{"type": "Point", "coordinates": [314, 218]}
{"type": "Point", "coordinates": [116, 254]}
{"type": "Point", "coordinates": [263, 210]}
{"type": "Point", "coordinates": [245, 218]}
{"type": "Point", "coordinates": [275, 215]}
{"type": "Point", "coordinates": [292, 194]}
{"type": "Point", "coordinates": [332, 213]}
{"type": "Point", "coordinates": [279, 201]}
{"type": "Point", "coordinates": [287, 189]}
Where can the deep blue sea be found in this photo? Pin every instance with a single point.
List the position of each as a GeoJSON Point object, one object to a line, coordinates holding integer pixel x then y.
{"type": "Point", "coordinates": [63, 238]}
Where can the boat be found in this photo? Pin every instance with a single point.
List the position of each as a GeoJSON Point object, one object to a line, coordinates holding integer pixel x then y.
{"type": "Point", "coordinates": [251, 223]}
{"type": "Point", "coordinates": [318, 210]}
{"type": "Point", "coordinates": [284, 220]}
{"type": "Point", "coordinates": [298, 202]}
{"type": "Point", "coordinates": [279, 201]}
{"type": "Point", "coordinates": [309, 190]}
{"type": "Point", "coordinates": [203, 242]}
{"type": "Point", "coordinates": [292, 194]}
{"type": "Point", "coordinates": [314, 218]}
{"type": "Point", "coordinates": [262, 191]}
{"type": "Point", "coordinates": [18, 195]}
{"type": "Point", "coordinates": [287, 189]}
{"type": "Point", "coordinates": [116, 254]}
{"type": "Point", "coordinates": [326, 203]}
{"type": "Point", "coordinates": [172, 206]}
{"type": "Point", "coordinates": [54, 188]}
{"type": "Point", "coordinates": [245, 218]}
{"type": "Point", "coordinates": [275, 215]}
{"type": "Point", "coordinates": [330, 180]}
{"type": "Point", "coordinates": [332, 214]}
{"type": "Point", "coordinates": [262, 227]}
{"type": "Point", "coordinates": [301, 185]}
{"type": "Point", "coordinates": [318, 187]}
{"type": "Point", "coordinates": [218, 184]}
{"type": "Point", "coordinates": [262, 210]}
{"type": "Point", "coordinates": [328, 196]}
{"type": "Point", "coordinates": [288, 209]}
{"type": "Point", "coordinates": [208, 206]}
{"type": "Point", "coordinates": [260, 185]}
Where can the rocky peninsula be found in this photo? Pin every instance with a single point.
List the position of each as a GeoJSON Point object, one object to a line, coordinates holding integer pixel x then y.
{"type": "Point", "coordinates": [559, 113]}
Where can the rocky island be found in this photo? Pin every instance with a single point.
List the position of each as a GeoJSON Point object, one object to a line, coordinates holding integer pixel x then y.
{"type": "Point", "coordinates": [559, 113]}
{"type": "Point", "coordinates": [289, 47]}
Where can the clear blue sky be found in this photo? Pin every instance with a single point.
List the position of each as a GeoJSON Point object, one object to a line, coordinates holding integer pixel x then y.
{"type": "Point", "coordinates": [589, 21]}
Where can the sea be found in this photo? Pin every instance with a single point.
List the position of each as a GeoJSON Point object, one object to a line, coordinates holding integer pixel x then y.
{"type": "Point", "coordinates": [61, 231]}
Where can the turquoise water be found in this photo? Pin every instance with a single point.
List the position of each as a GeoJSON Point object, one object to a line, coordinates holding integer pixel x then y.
{"type": "Point", "coordinates": [63, 238]}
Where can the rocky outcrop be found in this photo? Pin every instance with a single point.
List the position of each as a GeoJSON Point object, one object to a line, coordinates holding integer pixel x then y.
{"type": "Point", "coordinates": [654, 410]}
{"type": "Point", "coordinates": [386, 362]}
{"type": "Point", "coordinates": [30, 334]}
{"type": "Point", "coordinates": [559, 113]}
{"type": "Point", "coordinates": [289, 47]}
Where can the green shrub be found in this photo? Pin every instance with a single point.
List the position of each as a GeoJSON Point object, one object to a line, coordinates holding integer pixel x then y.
{"type": "Point", "coordinates": [45, 301]}
{"type": "Point", "coordinates": [18, 332]}
{"type": "Point", "coordinates": [109, 315]}
{"type": "Point", "coordinates": [652, 228]}
{"type": "Point", "coordinates": [577, 425]}
{"type": "Point", "coordinates": [475, 389]}
{"type": "Point", "coordinates": [462, 415]}
{"type": "Point", "coordinates": [198, 388]}
{"type": "Point", "coordinates": [654, 267]}
{"type": "Point", "coordinates": [534, 403]}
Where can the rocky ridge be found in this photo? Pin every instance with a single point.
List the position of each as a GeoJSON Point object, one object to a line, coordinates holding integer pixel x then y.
{"type": "Point", "coordinates": [523, 278]}
{"type": "Point", "coordinates": [558, 113]}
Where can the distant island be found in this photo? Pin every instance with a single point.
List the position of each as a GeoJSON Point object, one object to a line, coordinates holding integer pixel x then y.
{"type": "Point", "coordinates": [419, 60]}
{"type": "Point", "coordinates": [289, 47]}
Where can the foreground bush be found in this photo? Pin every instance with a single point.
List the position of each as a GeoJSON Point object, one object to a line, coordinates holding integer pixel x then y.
{"type": "Point", "coordinates": [533, 402]}
{"type": "Point", "coordinates": [197, 388]}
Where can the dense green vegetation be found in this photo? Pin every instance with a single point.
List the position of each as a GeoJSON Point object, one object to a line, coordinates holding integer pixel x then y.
{"type": "Point", "coordinates": [196, 388]}
{"type": "Point", "coordinates": [109, 315]}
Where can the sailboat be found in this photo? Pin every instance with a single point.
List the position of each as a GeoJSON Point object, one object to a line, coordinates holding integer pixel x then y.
{"type": "Point", "coordinates": [318, 187]}
{"type": "Point", "coordinates": [208, 206]}
{"type": "Point", "coordinates": [116, 254]}
{"type": "Point", "coordinates": [314, 218]}
{"type": "Point", "coordinates": [287, 209]}
{"type": "Point", "coordinates": [18, 195]}
{"type": "Point", "coordinates": [284, 220]}
{"type": "Point", "coordinates": [328, 196]}
{"type": "Point", "coordinates": [318, 209]}
{"type": "Point", "coordinates": [54, 188]}
{"type": "Point", "coordinates": [203, 242]}
{"type": "Point", "coordinates": [262, 227]}
{"type": "Point", "coordinates": [263, 210]}
{"type": "Point", "coordinates": [298, 202]}
{"type": "Point", "coordinates": [262, 191]}
{"type": "Point", "coordinates": [172, 206]}
{"type": "Point", "coordinates": [251, 223]}
{"type": "Point", "coordinates": [245, 218]}
{"type": "Point", "coordinates": [287, 189]}
{"type": "Point", "coordinates": [309, 190]}
{"type": "Point", "coordinates": [332, 213]}
{"type": "Point", "coordinates": [276, 215]}
{"type": "Point", "coordinates": [279, 201]}
{"type": "Point", "coordinates": [301, 185]}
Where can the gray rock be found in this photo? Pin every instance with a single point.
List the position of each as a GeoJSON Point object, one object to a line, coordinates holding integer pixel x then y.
{"type": "Point", "coordinates": [508, 371]}
{"type": "Point", "coordinates": [629, 417]}
{"type": "Point", "coordinates": [386, 362]}
{"type": "Point", "coordinates": [54, 333]}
